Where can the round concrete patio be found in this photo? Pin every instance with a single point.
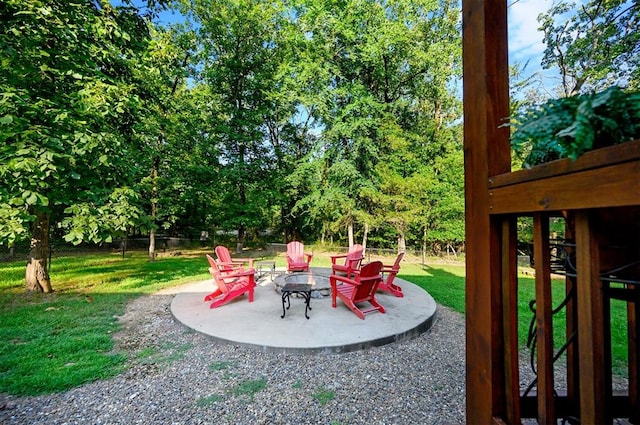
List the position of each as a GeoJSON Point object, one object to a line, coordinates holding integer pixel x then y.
{"type": "Point", "coordinates": [328, 330]}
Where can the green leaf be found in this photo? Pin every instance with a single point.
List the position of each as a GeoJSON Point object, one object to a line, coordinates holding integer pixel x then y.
{"type": "Point", "coordinates": [31, 198]}
{"type": "Point", "coordinates": [6, 120]}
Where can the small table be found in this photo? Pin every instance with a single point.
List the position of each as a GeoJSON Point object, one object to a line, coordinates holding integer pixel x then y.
{"type": "Point", "coordinates": [296, 288]}
{"type": "Point", "coordinates": [263, 266]}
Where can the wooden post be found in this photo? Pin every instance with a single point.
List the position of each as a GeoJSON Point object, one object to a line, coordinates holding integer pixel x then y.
{"type": "Point", "coordinates": [591, 338]}
{"type": "Point", "coordinates": [544, 325]}
{"type": "Point", "coordinates": [487, 153]}
{"type": "Point", "coordinates": [573, 375]}
{"type": "Point", "coordinates": [510, 320]}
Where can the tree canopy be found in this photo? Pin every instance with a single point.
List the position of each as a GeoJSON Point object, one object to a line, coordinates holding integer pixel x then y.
{"type": "Point", "coordinates": [307, 119]}
{"type": "Point", "coordinates": [593, 45]}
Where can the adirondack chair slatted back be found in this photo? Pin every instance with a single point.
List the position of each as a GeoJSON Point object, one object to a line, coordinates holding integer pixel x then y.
{"type": "Point", "coordinates": [222, 252]}
{"type": "Point", "coordinates": [216, 273]}
{"type": "Point", "coordinates": [226, 263]}
{"type": "Point", "coordinates": [297, 259]}
{"type": "Point", "coordinates": [389, 274]}
{"type": "Point", "coordinates": [354, 257]}
{"type": "Point", "coordinates": [352, 260]}
{"type": "Point", "coordinates": [295, 250]}
{"type": "Point", "coordinates": [368, 279]}
{"type": "Point", "coordinates": [224, 259]}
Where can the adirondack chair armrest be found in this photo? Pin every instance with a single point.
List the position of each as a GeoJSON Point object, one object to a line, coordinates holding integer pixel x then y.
{"type": "Point", "coordinates": [243, 260]}
{"type": "Point", "coordinates": [344, 279]}
{"type": "Point", "coordinates": [309, 257]}
{"type": "Point", "coordinates": [239, 273]}
{"type": "Point", "coordinates": [335, 257]}
{"type": "Point", "coordinates": [235, 266]}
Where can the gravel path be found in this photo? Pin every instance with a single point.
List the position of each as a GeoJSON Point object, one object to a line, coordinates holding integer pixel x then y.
{"type": "Point", "coordinates": [177, 376]}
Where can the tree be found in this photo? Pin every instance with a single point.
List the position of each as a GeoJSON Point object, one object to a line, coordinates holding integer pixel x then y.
{"type": "Point", "coordinates": [595, 47]}
{"type": "Point", "coordinates": [65, 103]}
{"type": "Point", "coordinates": [160, 76]}
{"type": "Point", "coordinates": [241, 60]}
{"type": "Point", "coordinates": [383, 71]}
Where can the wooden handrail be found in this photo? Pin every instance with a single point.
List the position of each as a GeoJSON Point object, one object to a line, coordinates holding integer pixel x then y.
{"type": "Point", "coordinates": [599, 158]}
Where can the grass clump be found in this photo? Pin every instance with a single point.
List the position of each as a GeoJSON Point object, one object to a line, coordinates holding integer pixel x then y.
{"type": "Point", "coordinates": [250, 387]}
{"type": "Point", "coordinates": [221, 365]}
{"type": "Point", "coordinates": [324, 396]}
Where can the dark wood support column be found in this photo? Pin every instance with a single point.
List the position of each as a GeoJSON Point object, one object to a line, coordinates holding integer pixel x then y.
{"type": "Point", "coordinates": [510, 319]}
{"type": "Point", "coordinates": [544, 325]}
{"type": "Point", "coordinates": [487, 153]}
{"type": "Point", "coordinates": [573, 353]}
{"type": "Point", "coordinates": [591, 337]}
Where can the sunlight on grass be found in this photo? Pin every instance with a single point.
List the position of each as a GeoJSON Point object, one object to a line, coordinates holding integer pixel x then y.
{"type": "Point", "coordinates": [60, 340]}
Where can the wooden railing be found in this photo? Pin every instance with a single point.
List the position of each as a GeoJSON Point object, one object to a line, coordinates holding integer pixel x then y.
{"type": "Point", "coordinates": [599, 196]}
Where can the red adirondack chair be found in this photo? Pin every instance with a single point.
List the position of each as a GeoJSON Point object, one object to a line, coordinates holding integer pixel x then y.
{"type": "Point", "coordinates": [358, 290]}
{"type": "Point", "coordinates": [230, 284]}
{"type": "Point", "coordinates": [227, 264]}
{"type": "Point", "coordinates": [352, 260]}
{"type": "Point", "coordinates": [296, 260]}
{"type": "Point", "coordinates": [389, 273]}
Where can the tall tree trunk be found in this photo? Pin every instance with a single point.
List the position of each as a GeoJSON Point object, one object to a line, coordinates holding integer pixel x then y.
{"type": "Point", "coordinates": [242, 192]}
{"type": "Point", "coordinates": [154, 208]}
{"type": "Point", "coordinates": [37, 276]}
{"type": "Point", "coordinates": [240, 244]}
{"type": "Point", "coordinates": [402, 243]}
{"type": "Point", "coordinates": [152, 244]}
{"type": "Point", "coordinates": [424, 245]}
{"type": "Point", "coordinates": [350, 232]}
{"type": "Point", "coordinates": [364, 237]}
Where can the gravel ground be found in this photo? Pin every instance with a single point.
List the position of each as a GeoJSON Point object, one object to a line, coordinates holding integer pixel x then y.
{"type": "Point", "coordinates": [188, 378]}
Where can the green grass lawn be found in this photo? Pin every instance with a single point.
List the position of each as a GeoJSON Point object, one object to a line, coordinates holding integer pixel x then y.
{"type": "Point", "coordinates": [57, 341]}
{"type": "Point", "coordinates": [53, 342]}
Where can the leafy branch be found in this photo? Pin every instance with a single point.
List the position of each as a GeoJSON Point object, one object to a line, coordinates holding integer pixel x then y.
{"type": "Point", "coordinates": [568, 127]}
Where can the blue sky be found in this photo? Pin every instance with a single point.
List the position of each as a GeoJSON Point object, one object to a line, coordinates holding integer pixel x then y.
{"type": "Point", "coordinates": [525, 40]}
